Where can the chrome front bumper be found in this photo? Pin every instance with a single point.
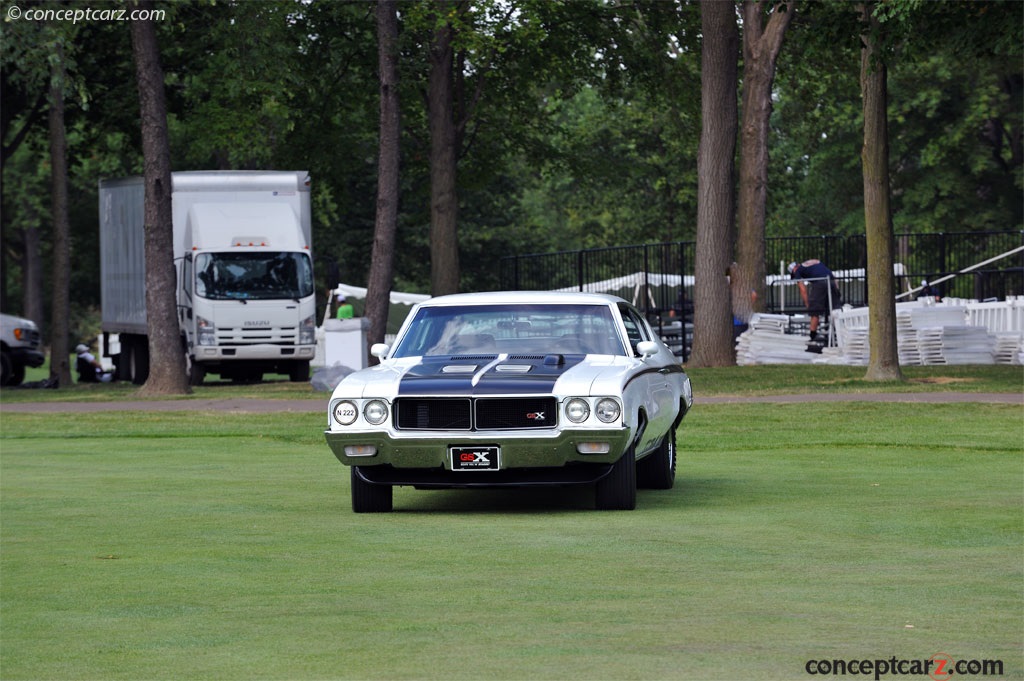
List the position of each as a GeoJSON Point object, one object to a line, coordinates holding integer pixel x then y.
{"type": "Point", "coordinates": [517, 449]}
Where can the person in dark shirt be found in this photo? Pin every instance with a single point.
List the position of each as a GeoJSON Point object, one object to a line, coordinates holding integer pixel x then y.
{"type": "Point", "coordinates": [88, 367]}
{"type": "Point", "coordinates": [929, 291]}
{"type": "Point", "coordinates": [816, 282]}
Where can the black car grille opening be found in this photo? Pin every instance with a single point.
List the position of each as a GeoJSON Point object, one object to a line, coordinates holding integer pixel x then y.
{"type": "Point", "coordinates": [503, 413]}
{"type": "Point", "coordinates": [414, 413]}
{"type": "Point", "coordinates": [491, 413]}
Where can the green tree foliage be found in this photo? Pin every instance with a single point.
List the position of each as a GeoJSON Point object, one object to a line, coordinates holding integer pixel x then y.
{"type": "Point", "coordinates": [584, 125]}
{"type": "Point", "coordinates": [618, 174]}
{"type": "Point", "coordinates": [955, 84]}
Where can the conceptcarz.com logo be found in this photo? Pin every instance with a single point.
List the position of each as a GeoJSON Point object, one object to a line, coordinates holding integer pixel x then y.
{"type": "Point", "coordinates": [938, 667]}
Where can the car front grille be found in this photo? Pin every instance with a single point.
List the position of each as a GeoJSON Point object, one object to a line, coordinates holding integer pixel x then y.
{"type": "Point", "coordinates": [486, 413]}
{"type": "Point", "coordinates": [433, 414]}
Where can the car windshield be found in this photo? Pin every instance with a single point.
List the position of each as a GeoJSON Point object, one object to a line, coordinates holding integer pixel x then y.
{"type": "Point", "coordinates": [511, 329]}
{"type": "Point", "coordinates": [253, 275]}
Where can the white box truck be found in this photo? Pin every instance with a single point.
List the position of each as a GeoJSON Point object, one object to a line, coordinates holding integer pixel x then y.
{"type": "Point", "coordinates": [242, 251]}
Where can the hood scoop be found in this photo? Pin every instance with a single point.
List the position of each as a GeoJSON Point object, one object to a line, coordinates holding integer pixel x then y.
{"type": "Point", "coordinates": [459, 369]}
{"type": "Point", "coordinates": [513, 368]}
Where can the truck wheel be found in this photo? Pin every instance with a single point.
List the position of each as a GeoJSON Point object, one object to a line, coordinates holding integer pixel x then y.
{"type": "Point", "coordinates": [121, 363]}
{"type": "Point", "coordinates": [17, 374]}
{"type": "Point", "coordinates": [299, 372]}
{"type": "Point", "coordinates": [196, 372]}
{"type": "Point", "coordinates": [368, 498]}
{"type": "Point", "coordinates": [138, 361]}
{"type": "Point", "coordinates": [6, 369]}
{"type": "Point", "coordinates": [617, 490]}
{"type": "Point", "coordinates": [658, 470]}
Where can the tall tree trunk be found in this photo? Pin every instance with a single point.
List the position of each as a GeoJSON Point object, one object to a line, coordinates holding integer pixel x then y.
{"type": "Point", "coordinates": [378, 288]}
{"type": "Point", "coordinates": [32, 271]}
{"type": "Point", "coordinates": [166, 354]}
{"type": "Point", "coordinates": [444, 241]}
{"type": "Point", "coordinates": [60, 366]}
{"type": "Point", "coordinates": [883, 363]}
{"type": "Point", "coordinates": [760, 51]}
{"type": "Point", "coordinates": [712, 318]}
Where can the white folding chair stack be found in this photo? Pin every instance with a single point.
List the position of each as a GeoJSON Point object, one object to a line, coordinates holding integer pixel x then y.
{"type": "Point", "coordinates": [766, 342]}
{"type": "Point", "coordinates": [953, 331]}
{"type": "Point", "coordinates": [1005, 321]}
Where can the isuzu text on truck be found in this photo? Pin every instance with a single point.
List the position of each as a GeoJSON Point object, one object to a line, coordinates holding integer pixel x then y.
{"type": "Point", "coordinates": [242, 251]}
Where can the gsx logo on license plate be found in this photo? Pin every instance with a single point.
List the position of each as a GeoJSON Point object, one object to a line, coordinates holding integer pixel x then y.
{"type": "Point", "coordinates": [474, 458]}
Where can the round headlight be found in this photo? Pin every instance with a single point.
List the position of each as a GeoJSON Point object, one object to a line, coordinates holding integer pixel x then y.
{"type": "Point", "coordinates": [577, 410]}
{"type": "Point", "coordinates": [345, 413]}
{"type": "Point", "coordinates": [375, 412]}
{"type": "Point", "coordinates": [608, 410]}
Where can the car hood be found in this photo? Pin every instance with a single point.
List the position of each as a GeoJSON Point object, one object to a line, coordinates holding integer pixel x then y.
{"type": "Point", "coordinates": [489, 375]}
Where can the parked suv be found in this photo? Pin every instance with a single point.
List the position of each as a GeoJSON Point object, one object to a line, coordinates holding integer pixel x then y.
{"type": "Point", "coordinates": [19, 347]}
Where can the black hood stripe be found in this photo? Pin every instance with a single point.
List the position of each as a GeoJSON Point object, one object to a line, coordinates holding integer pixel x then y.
{"type": "Point", "coordinates": [430, 378]}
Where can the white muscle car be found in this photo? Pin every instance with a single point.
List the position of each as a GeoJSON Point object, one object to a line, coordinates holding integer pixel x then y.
{"type": "Point", "coordinates": [513, 389]}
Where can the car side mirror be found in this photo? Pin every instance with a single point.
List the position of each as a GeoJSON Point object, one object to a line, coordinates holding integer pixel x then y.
{"type": "Point", "coordinates": [379, 350]}
{"type": "Point", "coordinates": [646, 349]}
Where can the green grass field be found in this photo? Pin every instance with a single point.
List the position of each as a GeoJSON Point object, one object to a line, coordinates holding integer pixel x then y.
{"type": "Point", "coordinates": [214, 546]}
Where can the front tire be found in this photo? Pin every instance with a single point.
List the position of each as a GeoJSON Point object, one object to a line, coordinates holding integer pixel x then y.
{"type": "Point", "coordinates": [196, 372]}
{"type": "Point", "coordinates": [658, 470]}
{"type": "Point", "coordinates": [368, 498]}
{"type": "Point", "coordinates": [617, 490]}
{"type": "Point", "coordinates": [6, 369]}
{"type": "Point", "coordinates": [299, 372]}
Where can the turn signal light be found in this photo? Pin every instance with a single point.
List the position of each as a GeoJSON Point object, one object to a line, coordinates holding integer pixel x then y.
{"type": "Point", "coordinates": [360, 450]}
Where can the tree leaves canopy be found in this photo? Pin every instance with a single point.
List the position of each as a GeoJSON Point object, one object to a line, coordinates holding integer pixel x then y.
{"type": "Point", "coordinates": [584, 134]}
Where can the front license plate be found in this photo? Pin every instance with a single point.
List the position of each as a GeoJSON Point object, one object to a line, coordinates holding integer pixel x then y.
{"type": "Point", "coordinates": [475, 458]}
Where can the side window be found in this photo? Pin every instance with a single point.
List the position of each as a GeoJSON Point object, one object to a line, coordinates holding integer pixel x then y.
{"type": "Point", "coordinates": [186, 276]}
{"type": "Point", "coordinates": [636, 330]}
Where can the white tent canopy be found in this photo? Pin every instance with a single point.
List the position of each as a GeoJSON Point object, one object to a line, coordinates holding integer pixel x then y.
{"type": "Point", "coordinates": [399, 303]}
{"type": "Point", "coordinates": [397, 297]}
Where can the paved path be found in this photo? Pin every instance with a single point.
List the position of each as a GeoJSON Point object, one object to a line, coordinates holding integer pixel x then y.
{"type": "Point", "coordinates": [240, 405]}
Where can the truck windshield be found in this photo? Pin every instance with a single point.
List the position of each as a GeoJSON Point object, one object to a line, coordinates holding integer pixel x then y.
{"type": "Point", "coordinates": [253, 275]}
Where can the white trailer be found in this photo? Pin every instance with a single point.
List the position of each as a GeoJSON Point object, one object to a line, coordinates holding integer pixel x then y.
{"type": "Point", "coordinates": [242, 252]}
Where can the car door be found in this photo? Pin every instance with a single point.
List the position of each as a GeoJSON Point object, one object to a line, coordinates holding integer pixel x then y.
{"type": "Point", "coordinates": [655, 393]}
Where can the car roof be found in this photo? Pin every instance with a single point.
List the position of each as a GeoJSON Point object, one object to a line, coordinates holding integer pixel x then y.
{"type": "Point", "coordinates": [525, 297]}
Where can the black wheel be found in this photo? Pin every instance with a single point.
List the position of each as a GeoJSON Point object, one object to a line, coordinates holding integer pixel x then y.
{"type": "Point", "coordinates": [6, 369]}
{"type": "Point", "coordinates": [121, 364]}
{"type": "Point", "coordinates": [138, 360]}
{"type": "Point", "coordinates": [17, 375]}
{"type": "Point", "coordinates": [658, 470]}
{"type": "Point", "coordinates": [617, 490]}
{"type": "Point", "coordinates": [368, 498]}
{"type": "Point", "coordinates": [196, 372]}
{"type": "Point", "coordinates": [299, 372]}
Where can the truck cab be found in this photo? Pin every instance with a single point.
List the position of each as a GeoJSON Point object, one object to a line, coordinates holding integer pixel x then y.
{"type": "Point", "coordinates": [245, 296]}
{"type": "Point", "coordinates": [243, 307]}
{"type": "Point", "coordinates": [20, 347]}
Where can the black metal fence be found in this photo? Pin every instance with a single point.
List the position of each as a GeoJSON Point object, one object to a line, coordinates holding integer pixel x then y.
{"type": "Point", "coordinates": [658, 278]}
